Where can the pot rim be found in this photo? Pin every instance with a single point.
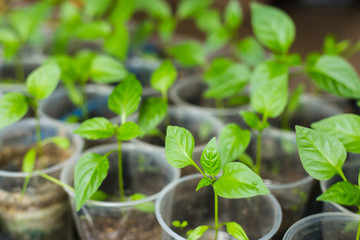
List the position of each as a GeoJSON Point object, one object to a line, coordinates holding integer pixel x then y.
{"type": "Point", "coordinates": [324, 217]}
{"type": "Point", "coordinates": [169, 187]}
{"type": "Point", "coordinates": [43, 121]}
{"type": "Point", "coordinates": [64, 177]}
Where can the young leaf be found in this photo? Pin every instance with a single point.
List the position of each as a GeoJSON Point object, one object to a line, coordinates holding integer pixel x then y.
{"type": "Point", "coordinates": [126, 97]}
{"type": "Point", "coordinates": [210, 158]}
{"type": "Point", "coordinates": [236, 231]}
{"type": "Point", "coordinates": [344, 193]}
{"type": "Point", "coordinates": [122, 11]}
{"type": "Point", "coordinates": [61, 142]}
{"type": "Point", "coordinates": [272, 27]}
{"type": "Point", "coordinates": [127, 131]}
{"type": "Point", "coordinates": [82, 64]}
{"type": "Point", "coordinates": [208, 21]}
{"type": "Point", "coordinates": [96, 128]}
{"type": "Point", "coordinates": [335, 75]}
{"type": "Point", "coordinates": [269, 92]}
{"type": "Point", "coordinates": [10, 41]}
{"type": "Point", "coordinates": [163, 77]}
{"type": "Point", "coordinates": [217, 67]}
{"type": "Point", "coordinates": [295, 99]}
{"type": "Point", "coordinates": [90, 171]}
{"type": "Point", "coordinates": [321, 155]}
{"type": "Point", "coordinates": [93, 30]}
{"type": "Point", "coordinates": [232, 142]}
{"type": "Point", "coordinates": [239, 181]}
{"type": "Point", "coordinates": [166, 29]}
{"type": "Point", "coordinates": [345, 127]}
{"type": "Point", "coordinates": [117, 43]}
{"type": "Point", "coordinates": [105, 69]}
{"type": "Point", "coordinates": [156, 8]}
{"type": "Point", "coordinates": [13, 107]}
{"type": "Point", "coordinates": [176, 223]}
{"type": "Point", "coordinates": [197, 232]}
{"type": "Point", "coordinates": [28, 166]}
{"type": "Point", "coordinates": [191, 8]}
{"type": "Point", "coordinates": [95, 8]}
{"type": "Point", "coordinates": [233, 15]}
{"type": "Point", "coordinates": [188, 53]}
{"type": "Point", "coordinates": [148, 207]}
{"type": "Point", "coordinates": [253, 120]}
{"type": "Point", "coordinates": [203, 183]}
{"type": "Point", "coordinates": [151, 113]}
{"type": "Point", "coordinates": [250, 51]}
{"type": "Point", "coordinates": [179, 146]}
{"type": "Point", "coordinates": [42, 81]}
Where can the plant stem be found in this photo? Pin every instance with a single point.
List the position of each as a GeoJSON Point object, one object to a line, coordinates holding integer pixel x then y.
{"type": "Point", "coordinates": [358, 232]}
{"type": "Point", "coordinates": [259, 147]}
{"type": "Point", "coordinates": [56, 181]}
{"type": "Point", "coordinates": [19, 69]}
{"type": "Point", "coordinates": [341, 173]}
{"type": "Point", "coordinates": [216, 210]}
{"type": "Point", "coordinates": [120, 173]}
{"type": "Point", "coordinates": [84, 105]}
{"type": "Point", "coordinates": [38, 133]}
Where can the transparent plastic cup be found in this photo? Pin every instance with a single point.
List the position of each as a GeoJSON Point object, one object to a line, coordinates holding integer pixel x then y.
{"type": "Point", "coordinates": [260, 216]}
{"type": "Point", "coordinates": [324, 226]}
{"type": "Point", "coordinates": [146, 171]}
{"type": "Point", "coordinates": [43, 212]}
{"type": "Point", "coordinates": [284, 174]}
{"type": "Point", "coordinates": [203, 128]}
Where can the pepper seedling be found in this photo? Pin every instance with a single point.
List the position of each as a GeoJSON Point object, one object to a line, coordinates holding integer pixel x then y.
{"type": "Point", "coordinates": [236, 180]}
{"type": "Point", "coordinates": [323, 154]}
{"type": "Point", "coordinates": [14, 105]}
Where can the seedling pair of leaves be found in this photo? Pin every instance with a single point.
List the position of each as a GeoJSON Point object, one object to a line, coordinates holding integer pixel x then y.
{"type": "Point", "coordinates": [92, 168]}
{"type": "Point", "coordinates": [78, 70]}
{"type": "Point", "coordinates": [323, 153]}
{"type": "Point", "coordinates": [14, 105]}
{"type": "Point", "coordinates": [236, 181]}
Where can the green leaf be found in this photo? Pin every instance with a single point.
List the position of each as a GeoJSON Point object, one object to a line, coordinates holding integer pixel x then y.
{"type": "Point", "coordinates": [295, 99]}
{"type": "Point", "coordinates": [42, 81]}
{"type": "Point", "coordinates": [28, 166]}
{"type": "Point", "coordinates": [188, 53]}
{"type": "Point", "coordinates": [99, 196]}
{"type": "Point", "coordinates": [176, 223]}
{"type": "Point", "coordinates": [217, 67]}
{"type": "Point", "coordinates": [209, 21]}
{"type": "Point", "coordinates": [93, 30]}
{"type": "Point", "coordinates": [61, 142]}
{"type": "Point", "coordinates": [151, 113]}
{"type": "Point", "coordinates": [148, 207]}
{"type": "Point", "coordinates": [105, 69]}
{"type": "Point", "coordinates": [203, 183]}
{"type": "Point", "coordinates": [83, 60]}
{"type": "Point", "coordinates": [272, 27]}
{"type": "Point", "coordinates": [179, 146]}
{"type": "Point", "coordinates": [236, 231]}
{"type": "Point", "coordinates": [345, 127]}
{"type": "Point", "coordinates": [117, 43]}
{"type": "Point", "coordinates": [269, 91]}
{"type": "Point", "coordinates": [142, 32]}
{"type": "Point", "coordinates": [96, 128]}
{"type": "Point", "coordinates": [253, 120]}
{"type": "Point", "coordinates": [229, 83]}
{"type": "Point", "coordinates": [344, 193]}
{"type": "Point", "coordinates": [217, 39]}
{"type": "Point", "coordinates": [322, 155]}
{"type": "Point", "coordinates": [126, 97]}
{"type": "Point", "coordinates": [94, 8]}
{"type": "Point", "coordinates": [239, 181]}
{"type": "Point", "coordinates": [232, 142]}
{"type": "Point", "coordinates": [90, 171]}
{"type": "Point", "coordinates": [166, 29]}
{"type": "Point", "coordinates": [197, 232]}
{"type": "Point", "coordinates": [67, 67]}
{"type": "Point", "coordinates": [250, 51]}
{"type": "Point", "coordinates": [122, 11]}
{"type": "Point", "coordinates": [210, 158]}
{"type": "Point", "coordinates": [163, 77]}
{"type": "Point", "coordinates": [10, 41]}
{"type": "Point", "coordinates": [335, 75]}
{"type": "Point", "coordinates": [191, 8]}
{"type": "Point", "coordinates": [13, 107]}
{"type": "Point", "coordinates": [128, 130]}
{"type": "Point", "coordinates": [156, 8]}
{"type": "Point", "coordinates": [233, 15]}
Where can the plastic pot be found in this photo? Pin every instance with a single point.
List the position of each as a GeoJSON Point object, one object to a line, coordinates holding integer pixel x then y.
{"type": "Point", "coordinates": [324, 226]}
{"type": "Point", "coordinates": [43, 212]}
{"type": "Point", "coordinates": [146, 171]}
{"type": "Point", "coordinates": [260, 216]}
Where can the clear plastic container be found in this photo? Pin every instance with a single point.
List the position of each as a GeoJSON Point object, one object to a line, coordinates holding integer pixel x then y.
{"type": "Point", "coordinates": [284, 174]}
{"type": "Point", "coordinates": [43, 212]}
{"type": "Point", "coordinates": [324, 226]}
{"type": "Point", "coordinates": [203, 129]}
{"type": "Point", "coordinates": [260, 216]}
{"type": "Point", "coordinates": [146, 171]}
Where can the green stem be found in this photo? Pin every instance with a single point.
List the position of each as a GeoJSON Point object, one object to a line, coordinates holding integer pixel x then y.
{"type": "Point", "coordinates": [56, 181]}
{"type": "Point", "coordinates": [258, 152]}
{"type": "Point", "coordinates": [341, 173]}
{"type": "Point", "coordinates": [84, 105]}
{"type": "Point", "coordinates": [216, 210]}
{"type": "Point", "coordinates": [120, 173]}
{"type": "Point", "coordinates": [354, 49]}
{"type": "Point", "coordinates": [358, 232]}
{"type": "Point", "coordinates": [197, 167]}
{"type": "Point", "coordinates": [38, 134]}
{"type": "Point", "coordinates": [19, 69]}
